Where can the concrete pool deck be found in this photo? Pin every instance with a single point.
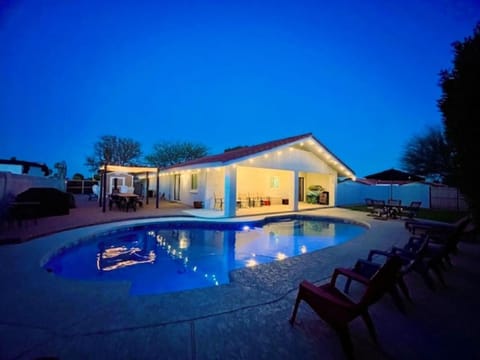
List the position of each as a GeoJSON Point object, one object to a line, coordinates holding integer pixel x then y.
{"type": "Point", "coordinates": [43, 315]}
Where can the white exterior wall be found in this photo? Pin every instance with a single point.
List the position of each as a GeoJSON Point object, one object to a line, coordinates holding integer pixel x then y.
{"type": "Point", "coordinates": [164, 184]}
{"type": "Point", "coordinates": [289, 159]}
{"type": "Point", "coordinates": [214, 185]}
{"type": "Point", "coordinates": [263, 182]}
{"type": "Point", "coordinates": [187, 195]}
{"type": "Point", "coordinates": [314, 170]}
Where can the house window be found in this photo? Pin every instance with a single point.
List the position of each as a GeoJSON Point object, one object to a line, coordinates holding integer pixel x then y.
{"type": "Point", "coordinates": [194, 182]}
{"type": "Point", "coordinates": [274, 182]}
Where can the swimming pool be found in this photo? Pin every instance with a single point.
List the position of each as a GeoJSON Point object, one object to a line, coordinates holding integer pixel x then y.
{"type": "Point", "coordinates": [170, 256]}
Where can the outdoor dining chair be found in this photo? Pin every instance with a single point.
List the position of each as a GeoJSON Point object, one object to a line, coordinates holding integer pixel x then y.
{"type": "Point", "coordinates": [411, 210]}
{"type": "Point", "coordinates": [393, 208]}
{"type": "Point", "coordinates": [218, 202]}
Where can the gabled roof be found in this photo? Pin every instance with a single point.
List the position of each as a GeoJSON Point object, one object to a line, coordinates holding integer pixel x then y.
{"type": "Point", "coordinates": [240, 154]}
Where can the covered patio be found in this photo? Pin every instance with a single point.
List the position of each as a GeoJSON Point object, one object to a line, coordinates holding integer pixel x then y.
{"type": "Point", "coordinates": [290, 174]}
{"type": "Point", "coordinates": [134, 170]}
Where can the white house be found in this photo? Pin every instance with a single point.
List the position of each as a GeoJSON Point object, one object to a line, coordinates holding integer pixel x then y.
{"type": "Point", "coordinates": [275, 172]}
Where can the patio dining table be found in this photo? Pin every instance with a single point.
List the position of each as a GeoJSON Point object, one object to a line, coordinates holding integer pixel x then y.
{"type": "Point", "coordinates": [393, 208]}
{"type": "Point", "coordinates": [124, 201]}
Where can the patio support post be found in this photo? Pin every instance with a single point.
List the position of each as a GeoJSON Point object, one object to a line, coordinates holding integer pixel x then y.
{"type": "Point", "coordinates": [295, 190]}
{"type": "Point", "coordinates": [100, 196]}
{"type": "Point", "coordinates": [158, 187]}
{"type": "Point", "coordinates": [230, 191]}
{"type": "Point", "coordinates": [333, 190]}
{"type": "Point", "coordinates": [148, 186]}
{"type": "Point", "coordinates": [104, 186]}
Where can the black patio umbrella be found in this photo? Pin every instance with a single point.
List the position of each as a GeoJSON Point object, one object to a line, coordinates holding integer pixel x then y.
{"type": "Point", "coordinates": [394, 175]}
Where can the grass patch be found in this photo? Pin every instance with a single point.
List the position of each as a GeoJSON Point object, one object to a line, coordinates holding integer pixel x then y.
{"type": "Point", "coordinates": [449, 216]}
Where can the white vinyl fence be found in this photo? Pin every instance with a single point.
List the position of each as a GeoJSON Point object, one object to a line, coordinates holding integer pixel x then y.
{"type": "Point", "coordinates": [432, 197]}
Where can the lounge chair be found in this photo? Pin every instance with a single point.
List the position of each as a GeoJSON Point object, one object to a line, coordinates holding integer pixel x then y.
{"type": "Point", "coordinates": [338, 309]}
{"type": "Point", "coordinates": [410, 255]}
{"type": "Point", "coordinates": [444, 243]}
{"type": "Point", "coordinates": [441, 245]}
{"type": "Point", "coordinates": [417, 226]}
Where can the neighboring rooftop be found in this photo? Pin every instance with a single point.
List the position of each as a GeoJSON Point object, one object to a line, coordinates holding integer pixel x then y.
{"type": "Point", "coordinates": [24, 167]}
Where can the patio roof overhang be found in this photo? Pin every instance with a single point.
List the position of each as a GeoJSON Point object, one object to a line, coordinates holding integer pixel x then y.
{"type": "Point", "coordinates": [129, 169]}
{"type": "Point", "coordinates": [304, 142]}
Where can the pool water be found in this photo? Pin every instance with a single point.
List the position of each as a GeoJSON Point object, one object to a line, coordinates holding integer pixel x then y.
{"type": "Point", "coordinates": [167, 257]}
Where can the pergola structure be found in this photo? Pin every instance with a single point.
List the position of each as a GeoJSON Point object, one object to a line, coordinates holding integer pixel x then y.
{"type": "Point", "coordinates": [130, 170]}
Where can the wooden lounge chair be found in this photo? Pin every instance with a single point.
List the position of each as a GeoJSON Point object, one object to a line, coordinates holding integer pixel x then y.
{"type": "Point", "coordinates": [338, 309]}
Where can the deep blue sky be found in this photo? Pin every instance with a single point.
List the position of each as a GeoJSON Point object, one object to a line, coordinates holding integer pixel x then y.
{"type": "Point", "coordinates": [362, 76]}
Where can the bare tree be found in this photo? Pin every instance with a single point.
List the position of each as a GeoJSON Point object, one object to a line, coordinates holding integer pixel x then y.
{"type": "Point", "coordinates": [115, 151]}
{"type": "Point", "coordinates": [429, 155]}
{"type": "Point", "coordinates": [167, 153]}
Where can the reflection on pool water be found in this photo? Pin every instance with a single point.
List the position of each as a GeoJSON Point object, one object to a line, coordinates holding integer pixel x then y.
{"type": "Point", "coordinates": [173, 256]}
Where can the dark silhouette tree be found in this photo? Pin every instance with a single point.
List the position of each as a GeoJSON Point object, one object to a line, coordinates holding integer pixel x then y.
{"type": "Point", "coordinates": [78, 176]}
{"type": "Point", "coordinates": [60, 170]}
{"type": "Point", "coordinates": [460, 107]}
{"type": "Point", "coordinates": [429, 155]}
{"type": "Point", "coordinates": [114, 151]}
{"type": "Point", "coordinates": [168, 153]}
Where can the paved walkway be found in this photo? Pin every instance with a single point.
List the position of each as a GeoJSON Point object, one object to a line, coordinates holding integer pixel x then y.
{"type": "Point", "coordinates": [42, 315]}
